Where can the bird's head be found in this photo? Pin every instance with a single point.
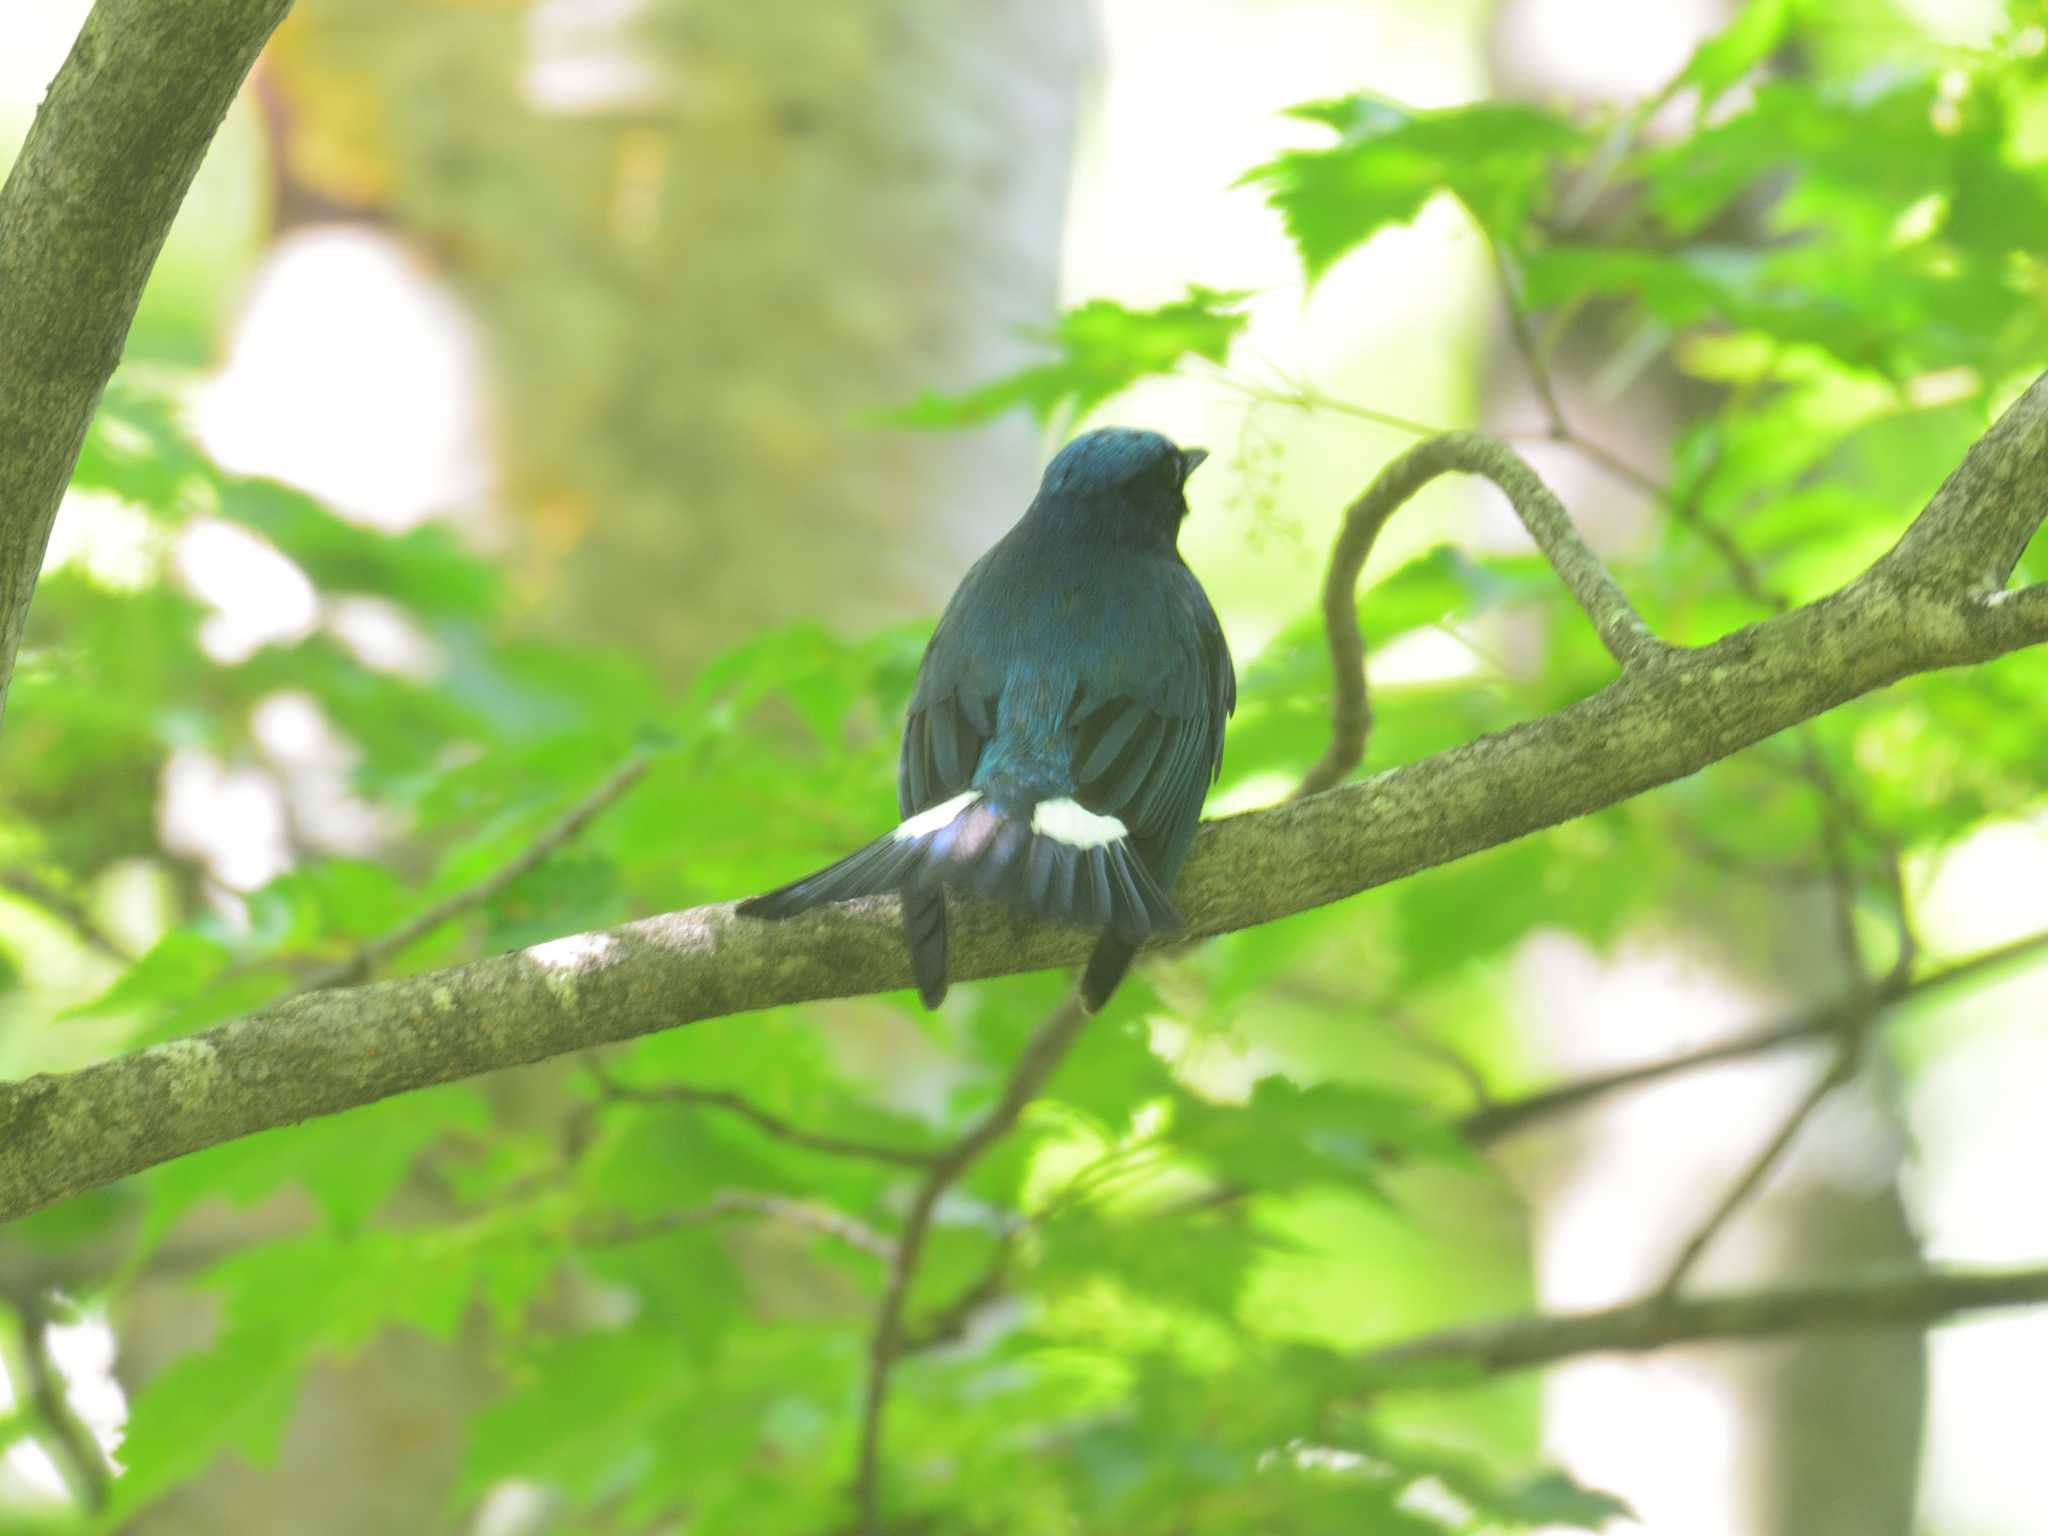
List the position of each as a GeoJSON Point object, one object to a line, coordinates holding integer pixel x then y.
{"type": "Point", "coordinates": [1122, 483]}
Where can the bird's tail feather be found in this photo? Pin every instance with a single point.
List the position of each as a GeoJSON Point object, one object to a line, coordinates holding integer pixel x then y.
{"type": "Point", "coordinates": [1106, 967]}
{"type": "Point", "coordinates": [924, 930]}
{"type": "Point", "coordinates": [1053, 859]}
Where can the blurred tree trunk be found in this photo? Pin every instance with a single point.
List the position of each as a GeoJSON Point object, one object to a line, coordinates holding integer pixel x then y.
{"type": "Point", "coordinates": [698, 248]}
{"type": "Point", "coordinates": [703, 244]}
{"type": "Point", "coordinates": [1832, 1426]}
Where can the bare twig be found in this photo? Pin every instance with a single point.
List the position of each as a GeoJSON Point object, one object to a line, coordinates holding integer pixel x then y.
{"type": "Point", "coordinates": [77, 1455]}
{"type": "Point", "coordinates": [1299, 395]}
{"type": "Point", "coordinates": [1756, 868]}
{"type": "Point", "coordinates": [1525, 343]}
{"type": "Point", "coordinates": [1856, 1013]}
{"type": "Point", "coordinates": [1909, 1299]}
{"type": "Point", "coordinates": [1685, 510]}
{"type": "Point", "coordinates": [773, 1124]}
{"type": "Point", "coordinates": [1379, 1013]}
{"type": "Point", "coordinates": [1505, 1117]}
{"type": "Point", "coordinates": [1751, 1179]}
{"type": "Point", "coordinates": [564, 830]}
{"type": "Point", "coordinates": [818, 1217]}
{"type": "Point", "coordinates": [1541, 381]}
{"type": "Point", "coordinates": [949, 1324]}
{"type": "Point", "coordinates": [69, 910]}
{"type": "Point", "coordinates": [1578, 198]}
{"type": "Point", "coordinates": [1418, 1038]}
{"type": "Point", "coordinates": [1842, 813]}
{"type": "Point", "coordinates": [1840, 867]}
{"type": "Point", "coordinates": [1042, 1055]}
{"type": "Point", "coordinates": [1627, 638]}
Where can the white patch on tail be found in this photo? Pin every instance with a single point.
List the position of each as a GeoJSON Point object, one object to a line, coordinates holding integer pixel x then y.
{"type": "Point", "coordinates": [1070, 822]}
{"type": "Point", "coordinates": [925, 822]}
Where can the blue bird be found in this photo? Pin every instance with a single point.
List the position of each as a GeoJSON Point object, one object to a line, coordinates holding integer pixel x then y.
{"type": "Point", "coordinates": [1066, 724]}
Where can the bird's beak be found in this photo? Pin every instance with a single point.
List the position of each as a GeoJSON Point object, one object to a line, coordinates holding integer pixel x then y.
{"type": "Point", "coordinates": [1190, 461]}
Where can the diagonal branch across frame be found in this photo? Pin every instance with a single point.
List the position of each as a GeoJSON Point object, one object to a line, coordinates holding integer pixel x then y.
{"type": "Point", "coordinates": [1670, 713]}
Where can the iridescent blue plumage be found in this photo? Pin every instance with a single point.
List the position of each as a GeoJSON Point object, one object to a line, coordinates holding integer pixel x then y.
{"type": "Point", "coordinates": [1066, 724]}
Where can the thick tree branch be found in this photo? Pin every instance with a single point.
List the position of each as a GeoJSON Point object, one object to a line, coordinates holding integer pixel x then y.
{"type": "Point", "coordinates": [1914, 1299]}
{"type": "Point", "coordinates": [1669, 714]}
{"type": "Point", "coordinates": [82, 217]}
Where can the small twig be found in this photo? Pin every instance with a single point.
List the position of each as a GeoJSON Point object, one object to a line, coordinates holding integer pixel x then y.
{"type": "Point", "coordinates": [1686, 509]}
{"type": "Point", "coordinates": [69, 910]}
{"type": "Point", "coordinates": [1741, 569]}
{"type": "Point", "coordinates": [1299, 395]}
{"type": "Point", "coordinates": [1541, 381]}
{"type": "Point", "coordinates": [561, 832]}
{"type": "Point", "coordinates": [949, 1324]}
{"type": "Point", "coordinates": [1912, 1299]}
{"type": "Point", "coordinates": [1577, 199]}
{"type": "Point", "coordinates": [1042, 1055]}
{"type": "Point", "coordinates": [77, 1455]}
{"type": "Point", "coordinates": [1525, 343]}
{"type": "Point", "coordinates": [1839, 1071]}
{"type": "Point", "coordinates": [1730, 861]}
{"type": "Point", "coordinates": [1841, 869]}
{"type": "Point", "coordinates": [764, 1120]}
{"type": "Point", "coordinates": [1508, 1116]}
{"type": "Point", "coordinates": [1857, 1012]}
{"type": "Point", "coordinates": [1627, 638]}
{"type": "Point", "coordinates": [1840, 814]}
{"type": "Point", "coordinates": [1398, 1023]}
{"type": "Point", "coordinates": [814, 1215]}
{"type": "Point", "coordinates": [1444, 1054]}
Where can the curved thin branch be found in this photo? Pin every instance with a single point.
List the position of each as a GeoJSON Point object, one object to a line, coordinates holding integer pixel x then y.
{"type": "Point", "coordinates": [814, 1215]}
{"type": "Point", "coordinates": [1042, 1056]}
{"type": "Point", "coordinates": [84, 212]}
{"type": "Point", "coordinates": [565, 829]}
{"type": "Point", "coordinates": [1914, 1299]}
{"type": "Point", "coordinates": [67, 909]}
{"type": "Point", "coordinates": [1504, 1117]}
{"type": "Point", "coordinates": [772, 1124]}
{"type": "Point", "coordinates": [1669, 714]}
{"type": "Point", "coordinates": [79, 1460]}
{"type": "Point", "coordinates": [1760, 1166]}
{"type": "Point", "coordinates": [1627, 638]}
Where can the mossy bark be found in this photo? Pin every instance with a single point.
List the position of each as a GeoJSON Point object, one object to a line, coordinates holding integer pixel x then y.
{"type": "Point", "coordinates": [1673, 710]}
{"type": "Point", "coordinates": [82, 218]}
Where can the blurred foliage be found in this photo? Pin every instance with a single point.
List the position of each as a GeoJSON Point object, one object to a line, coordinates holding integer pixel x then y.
{"type": "Point", "coordinates": [1103, 349]}
{"type": "Point", "coordinates": [1246, 1170]}
{"type": "Point", "coordinates": [681, 416]}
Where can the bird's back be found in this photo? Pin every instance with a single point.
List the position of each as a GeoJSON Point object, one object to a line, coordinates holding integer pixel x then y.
{"type": "Point", "coordinates": [1042, 633]}
{"type": "Point", "coordinates": [1066, 722]}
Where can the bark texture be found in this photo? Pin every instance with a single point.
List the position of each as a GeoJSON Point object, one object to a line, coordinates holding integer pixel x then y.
{"type": "Point", "coordinates": [82, 217]}
{"type": "Point", "coordinates": [1933, 602]}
